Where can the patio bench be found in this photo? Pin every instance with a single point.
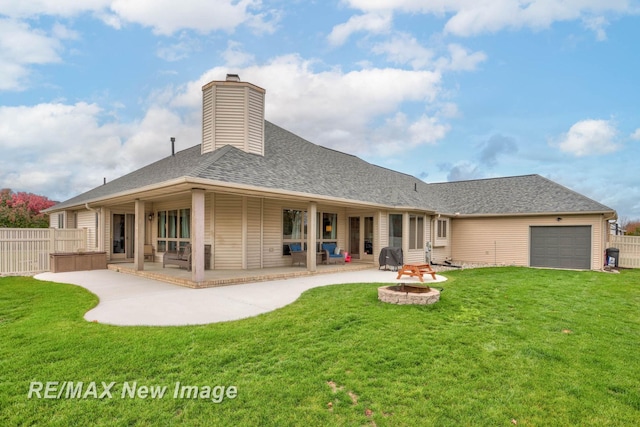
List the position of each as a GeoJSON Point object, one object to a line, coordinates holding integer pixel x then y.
{"type": "Point", "coordinates": [182, 258]}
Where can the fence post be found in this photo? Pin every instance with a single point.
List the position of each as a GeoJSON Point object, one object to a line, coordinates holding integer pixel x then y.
{"type": "Point", "coordinates": [52, 240]}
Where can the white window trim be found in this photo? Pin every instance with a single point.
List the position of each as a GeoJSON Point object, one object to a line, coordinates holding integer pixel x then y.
{"type": "Point", "coordinates": [439, 240]}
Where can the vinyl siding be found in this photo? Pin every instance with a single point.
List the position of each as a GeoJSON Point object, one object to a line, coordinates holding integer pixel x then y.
{"type": "Point", "coordinates": [207, 119]}
{"type": "Point", "coordinates": [255, 122]}
{"type": "Point", "coordinates": [228, 232]}
{"type": "Point", "coordinates": [87, 219]}
{"type": "Point", "coordinates": [272, 243]}
{"type": "Point", "coordinates": [505, 241]}
{"type": "Point", "coordinates": [254, 232]}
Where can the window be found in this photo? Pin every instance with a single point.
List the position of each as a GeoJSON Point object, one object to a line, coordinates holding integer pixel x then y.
{"type": "Point", "coordinates": [174, 229]}
{"type": "Point", "coordinates": [294, 229]}
{"type": "Point", "coordinates": [327, 230]}
{"type": "Point", "coordinates": [416, 232]}
{"type": "Point", "coordinates": [442, 229]}
{"type": "Point", "coordinates": [395, 230]}
{"type": "Point", "coordinates": [61, 220]}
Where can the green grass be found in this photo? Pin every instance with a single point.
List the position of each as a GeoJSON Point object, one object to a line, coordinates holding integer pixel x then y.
{"type": "Point", "coordinates": [540, 347]}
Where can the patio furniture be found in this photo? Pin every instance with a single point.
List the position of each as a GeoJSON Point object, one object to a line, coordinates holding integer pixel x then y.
{"type": "Point", "coordinates": [149, 253]}
{"type": "Point", "coordinates": [416, 270]}
{"type": "Point", "coordinates": [298, 256]}
{"type": "Point", "coordinates": [391, 257]}
{"type": "Point", "coordinates": [333, 255]}
{"type": "Point", "coordinates": [182, 258]}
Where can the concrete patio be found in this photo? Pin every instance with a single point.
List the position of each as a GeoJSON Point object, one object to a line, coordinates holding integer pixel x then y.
{"type": "Point", "coordinates": [129, 300]}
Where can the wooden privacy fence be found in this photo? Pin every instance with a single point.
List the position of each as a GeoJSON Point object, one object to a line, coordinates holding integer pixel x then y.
{"type": "Point", "coordinates": [26, 250]}
{"type": "Point", "coordinates": [629, 247]}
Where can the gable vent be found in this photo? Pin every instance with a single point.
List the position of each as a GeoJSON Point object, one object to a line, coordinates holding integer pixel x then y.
{"type": "Point", "coordinates": [233, 114]}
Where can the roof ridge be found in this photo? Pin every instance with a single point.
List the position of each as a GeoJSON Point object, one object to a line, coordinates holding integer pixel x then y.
{"type": "Point", "coordinates": [485, 179]}
{"type": "Point", "coordinates": [207, 159]}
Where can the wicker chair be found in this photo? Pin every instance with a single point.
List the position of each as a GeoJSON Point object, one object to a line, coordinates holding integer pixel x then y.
{"type": "Point", "coordinates": [298, 256]}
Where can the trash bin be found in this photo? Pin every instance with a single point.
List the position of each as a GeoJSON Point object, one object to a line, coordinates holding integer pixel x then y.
{"type": "Point", "coordinates": [613, 255]}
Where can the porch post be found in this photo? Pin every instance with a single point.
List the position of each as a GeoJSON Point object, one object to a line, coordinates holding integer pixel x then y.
{"type": "Point", "coordinates": [138, 258]}
{"type": "Point", "coordinates": [311, 235]}
{"type": "Point", "coordinates": [197, 235]}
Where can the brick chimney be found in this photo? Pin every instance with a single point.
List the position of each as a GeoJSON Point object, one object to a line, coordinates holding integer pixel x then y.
{"type": "Point", "coordinates": [233, 114]}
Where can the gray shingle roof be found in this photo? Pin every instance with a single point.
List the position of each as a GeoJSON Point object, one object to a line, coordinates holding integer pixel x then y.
{"type": "Point", "coordinates": [293, 164]}
{"type": "Point", "coordinates": [512, 195]}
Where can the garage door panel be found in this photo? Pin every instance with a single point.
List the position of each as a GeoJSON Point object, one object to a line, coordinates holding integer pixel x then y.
{"type": "Point", "coordinates": [561, 247]}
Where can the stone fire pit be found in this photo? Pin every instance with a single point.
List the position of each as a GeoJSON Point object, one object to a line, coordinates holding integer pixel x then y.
{"type": "Point", "coordinates": [405, 293]}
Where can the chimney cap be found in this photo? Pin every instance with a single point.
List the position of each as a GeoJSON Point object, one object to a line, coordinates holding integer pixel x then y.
{"type": "Point", "coordinates": [233, 78]}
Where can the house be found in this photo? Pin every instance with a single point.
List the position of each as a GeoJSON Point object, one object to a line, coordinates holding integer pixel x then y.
{"type": "Point", "coordinates": [251, 188]}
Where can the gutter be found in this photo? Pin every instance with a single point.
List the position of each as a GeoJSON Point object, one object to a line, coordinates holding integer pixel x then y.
{"type": "Point", "coordinates": [234, 188]}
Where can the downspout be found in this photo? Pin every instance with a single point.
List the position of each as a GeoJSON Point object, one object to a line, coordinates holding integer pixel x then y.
{"type": "Point", "coordinates": [605, 233]}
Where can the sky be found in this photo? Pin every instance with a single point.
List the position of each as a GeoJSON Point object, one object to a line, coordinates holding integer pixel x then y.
{"type": "Point", "coordinates": [444, 90]}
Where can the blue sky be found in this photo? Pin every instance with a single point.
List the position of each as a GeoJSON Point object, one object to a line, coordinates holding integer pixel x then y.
{"type": "Point", "coordinates": [441, 89]}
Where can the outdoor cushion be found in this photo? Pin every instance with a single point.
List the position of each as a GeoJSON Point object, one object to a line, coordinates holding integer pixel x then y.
{"type": "Point", "coordinates": [331, 249]}
{"type": "Point", "coordinates": [295, 247]}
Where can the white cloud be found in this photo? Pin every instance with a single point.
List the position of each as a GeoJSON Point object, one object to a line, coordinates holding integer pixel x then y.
{"type": "Point", "coordinates": [168, 16]}
{"type": "Point", "coordinates": [471, 17]}
{"type": "Point", "coordinates": [335, 108]}
{"type": "Point", "coordinates": [181, 49]}
{"type": "Point", "coordinates": [21, 47]}
{"type": "Point", "coordinates": [235, 56]}
{"type": "Point", "coordinates": [597, 24]}
{"type": "Point", "coordinates": [460, 59]}
{"type": "Point", "coordinates": [370, 22]}
{"type": "Point", "coordinates": [589, 137]}
{"type": "Point", "coordinates": [74, 147]}
{"type": "Point", "coordinates": [403, 48]}
{"type": "Point", "coordinates": [636, 135]}
{"type": "Point", "coordinates": [62, 8]}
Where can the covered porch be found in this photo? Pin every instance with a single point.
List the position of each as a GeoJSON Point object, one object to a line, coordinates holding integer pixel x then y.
{"type": "Point", "coordinates": [213, 278]}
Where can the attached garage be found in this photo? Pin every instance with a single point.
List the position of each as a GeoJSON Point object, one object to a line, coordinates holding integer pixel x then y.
{"type": "Point", "coordinates": [561, 247]}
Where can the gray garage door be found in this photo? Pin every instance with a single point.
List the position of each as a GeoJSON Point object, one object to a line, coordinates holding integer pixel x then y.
{"type": "Point", "coordinates": [561, 247]}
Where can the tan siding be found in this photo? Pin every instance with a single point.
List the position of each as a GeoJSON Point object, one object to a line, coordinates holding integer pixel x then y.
{"type": "Point", "coordinates": [505, 241]}
{"type": "Point", "coordinates": [87, 219]}
{"type": "Point", "coordinates": [272, 234]}
{"type": "Point", "coordinates": [383, 228]}
{"type": "Point", "coordinates": [230, 117]}
{"type": "Point", "coordinates": [181, 202]}
{"type": "Point", "coordinates": [207, 119]}
{"type": "Point", "coordinates": [106, 233]}
{"type": "Point", "coordinates": [228, 235]}
{"type": "Point", "coordinates": [254, 233]}
{"type": "Point", "coordinates": [233, 115]}
{"type": "Point", "coordinates": [256, 123]}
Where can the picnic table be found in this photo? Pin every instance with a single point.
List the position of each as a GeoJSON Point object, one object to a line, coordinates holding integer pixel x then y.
{"type": "Point", "coordinates": [416, 270]}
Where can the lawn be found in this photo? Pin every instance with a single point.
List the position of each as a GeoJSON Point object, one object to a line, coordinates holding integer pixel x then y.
{"type": "Point", "coordinates": [503, 346]}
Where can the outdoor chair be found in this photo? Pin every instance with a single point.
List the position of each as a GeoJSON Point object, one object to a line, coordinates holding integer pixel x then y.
{"type": "Point", "coordinates": [149, 252]}
{"type": "Point", "coordinates": [333, 254]}
{"type": "Point", "coordinates": [298, 256]}
{"type": "Point", "coordinates": [182, 258]}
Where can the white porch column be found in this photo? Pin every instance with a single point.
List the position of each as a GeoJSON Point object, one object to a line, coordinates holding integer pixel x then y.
{"type": "Point", "coordinates": [197, 235]}
{"type": "Point", "coordinates": [138, 257]}
{"type": "Point", "coordinates": [312, 213]}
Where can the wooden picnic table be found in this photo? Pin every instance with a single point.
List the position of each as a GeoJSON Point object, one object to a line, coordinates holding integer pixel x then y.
{"type": "Point", "coordinates": [416, 270]}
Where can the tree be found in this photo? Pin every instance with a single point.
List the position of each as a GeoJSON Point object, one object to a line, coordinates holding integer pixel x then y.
{"type": "Point", "coordinates": [23, 210]}
{"type": "Point", "coordinates": [631, 227]}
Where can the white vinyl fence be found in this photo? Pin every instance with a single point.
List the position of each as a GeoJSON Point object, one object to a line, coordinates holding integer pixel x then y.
{"type": "Point", "coordinates": [629, 247]}
{"type": "Point", "coordinates": [25, 251]}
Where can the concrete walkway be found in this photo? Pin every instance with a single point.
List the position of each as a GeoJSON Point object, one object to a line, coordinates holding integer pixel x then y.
{"type": "Point", "coordinates": [130, 300]}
